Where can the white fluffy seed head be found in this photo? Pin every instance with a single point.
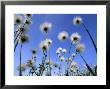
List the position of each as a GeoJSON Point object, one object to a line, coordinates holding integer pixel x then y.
{"type": "Point", "coordinates": [49, 41]}
{"type": "Point", "coordinates": [57, 52]}
{"type": "Point", "coordinates": [62, 59]}
{"type": "Point", "coordinates": [80, 48]}
{"type": "Point", "coordinates": [44, 46]}
{"type": "Point", "coordinates": [75, 38]}
{"type": "Point", "coordinates": [27, 15]}
{"type": "Point", "coordinates": [64, 51]}
{"type": "Point", "coordinates": [73, 55]}
{"type": "Point", "coordinates": [77, 20]}
{"type": "Point", "coordinates": [73, 66]}
{"type": "Point", "coordinates": [48, 62]}
{"type": "Point", "coordinates": [45, 27]}
{"type": "Point", "coordinates": [30, 63]}
{"type": "Point", "coordinates": [63, 35]}
{"type": "Point", "coordinates": [18, 19]}
{"type": "Point", "coordinates": [60, 49]}
{"type": "Point", "coordinates": [27, 22]}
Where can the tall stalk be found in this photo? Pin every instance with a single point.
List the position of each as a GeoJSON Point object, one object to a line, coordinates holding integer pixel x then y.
{"type": "Point", "coordinates": [17, 35]}
{"type": "Point", "coordinates": [16, 44]}
{"type": "Point", "coordinates": [90, 37]}
{"type": "Point", "coordinates": [20, 72]}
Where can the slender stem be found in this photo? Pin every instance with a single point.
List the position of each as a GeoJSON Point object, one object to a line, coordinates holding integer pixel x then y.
{"type": "Point", "coordinates": [49, 63]}
{"type": "Point", "coordinates": [83, 58]}
{"type": "Point", "coordinates": [96, 70]}
{"type": "Point", "coordinates": [15, 45]}
{"type": "Point", "coordinates": [20, 73]}
{"type": "Point", "coordinates": [17, 36]}
{"type": "Point", "coordinates": [15, 33]}
{"type": "Point", "coordinates": [68, 58]}
{"type": "Point", "coordinates": [90, 37]}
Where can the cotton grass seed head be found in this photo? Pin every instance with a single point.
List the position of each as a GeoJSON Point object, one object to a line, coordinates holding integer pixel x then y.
{"type": "Point", "coordinates": [33, 51]}
{"type": "Point", "coordinates": [77, 20]}
{"type": "Point", "coordinates": [45, 27]}
{"type": "Point", "coordinates": [60, 49]}
{"type": "Point", "coordinates": [57, 52]}
{"type": "Point", "coordinates": [30, 63]}
{"type": "Point", "coordinates": [63, 35]}
{"type": "Point", "coordinates": [80, 48]}
{"type": "Point", "coordinates": [59, 55]}
{"type": "Point", "coordinates": [73, 55]}
{"type": "Point", "coordinates": [64, 51]}
{"type": "Point", "coordinates": [22, 29]}
{"type": "Point", "coordinates": [23, 39]}
{"type": "Point", "coordinates": [48, 62]}
{"type": "Point", "coordinates": [28, 15]}
{"type": "Point", "coordinates": [49, 41]}
{"type": "Point", "coordinates": [55, 65]}
{"type": "Point", "coordinates": [75, 38]}
{"type": "Point", "coordinates": [44, 46]}
{"type": "Point", "coordinates": [18, 19]}
{"type": "Point", "coordinates": [73, 66]}
{"type": "Point", "coordinates": [27, 22]}
{"type": "Point", "coordinates": [62, 59]}
{"type": "Point", "coordinates": [23, 67]}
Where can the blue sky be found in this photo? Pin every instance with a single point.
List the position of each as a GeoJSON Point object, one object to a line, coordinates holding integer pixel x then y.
{"type": "Point", "coordinates": [60, 22]}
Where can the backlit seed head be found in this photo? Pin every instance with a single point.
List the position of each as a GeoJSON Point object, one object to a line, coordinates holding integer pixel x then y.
{"type": "Point", "coordinates": [77, 20]}
{"type": "Point", "coordinates": [63, 35]}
